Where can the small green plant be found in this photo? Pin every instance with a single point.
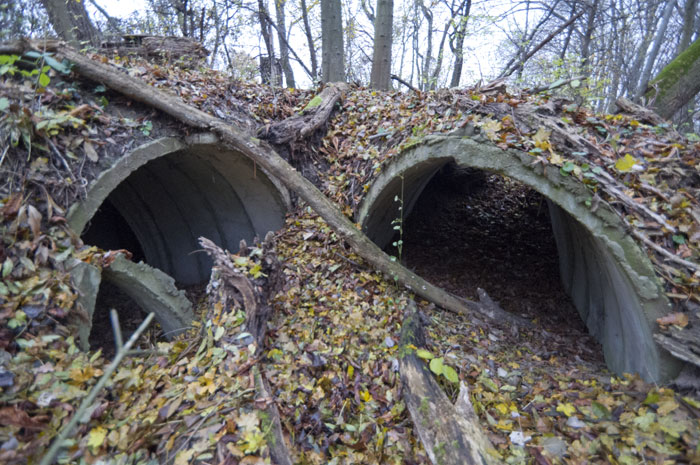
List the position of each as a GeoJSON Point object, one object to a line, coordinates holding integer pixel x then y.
{"type": "Point", "coordinates": [397, 224]}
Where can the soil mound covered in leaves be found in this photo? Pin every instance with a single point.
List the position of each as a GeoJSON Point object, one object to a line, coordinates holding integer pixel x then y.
{"type": "Point", "coordinates": [332, 346]}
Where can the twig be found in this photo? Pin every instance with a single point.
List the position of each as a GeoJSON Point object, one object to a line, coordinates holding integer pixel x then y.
{"type": "Point", "coordinates": [118, 340]}
{"type": "Point", "coordinates": [396, 78]}
{"type": "Point", "coordinates": [664, 252]}
{"type": "Point", "coordinates": [537, 90]}
{"type": "Point", "coordinates": [68, 429]}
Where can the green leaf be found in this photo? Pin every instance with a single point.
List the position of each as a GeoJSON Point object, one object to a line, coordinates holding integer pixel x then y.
{"type": "Point", "coordinates": [575, 83]}
{"type": "Point", "coordinates": [96, 437]}
{"type": "Point", "coordinates": [679, 239]}
{"type": "Point", "coordinates": [489, 384]}
{"type": "Point", "coordinates": [450, 373]}
{"type": "Point", "coordinates": [600, 410]}
{"type": "Point", "coordinates": [568, 167]}
{"type": "Point", "coordinates": [44, 80]}
{"type": "Point", "coordinates": [4, 104]}
{"type": "Point", "coordinates": [7, 267]}
{"type": "Point", "coordinates": [424, 354]}
{"type": "Point", "coordinates": [63, 68]}
{"type": "Point", "coordinates": [652, 398]}
{"type": "Point", "coordinates": [436, 365]}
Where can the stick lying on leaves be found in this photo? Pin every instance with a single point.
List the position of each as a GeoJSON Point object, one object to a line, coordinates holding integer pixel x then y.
{"type": "Point", "coordinates": [68, 429]}
{"type": "Point", "coordinates": [265, 156]}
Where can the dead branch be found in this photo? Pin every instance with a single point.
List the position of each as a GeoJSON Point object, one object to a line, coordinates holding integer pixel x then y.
{"type": "Point", "coordinates": [396, 78]}
{"type": "Point", "coordinates": [310, 119]}
{"type": "Point", "coordinates": [644, 114]}
{"type": "Point", "coordinates": [450, 435]}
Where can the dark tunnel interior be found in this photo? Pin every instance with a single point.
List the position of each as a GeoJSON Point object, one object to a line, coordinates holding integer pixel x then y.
{"type": "Point", "coordinates": [472, 229]}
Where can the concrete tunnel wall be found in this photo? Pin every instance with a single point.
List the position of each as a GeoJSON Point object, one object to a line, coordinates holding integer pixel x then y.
{"type": "Point", "coordinates": [609, 278]}
{"type": "Point", "coordinates": [172, 191]}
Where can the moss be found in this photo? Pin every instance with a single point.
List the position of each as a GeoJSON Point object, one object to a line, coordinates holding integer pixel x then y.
{"type": "Point", "coordinates": [266, 424]}
{"type": "Point", "coordinates": [674, 71]}
{"type": "Point", "coordinates": [316, 101]}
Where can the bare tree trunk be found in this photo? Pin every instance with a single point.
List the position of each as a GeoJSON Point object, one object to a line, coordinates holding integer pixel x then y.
{"type": "Point", "coordinates": [284, 50]}
{"type": "Point", "coordinates": [381, 58]}
{"type": "Point", "coordinates": [71, 22]}
{"type": "Point", "coordinates": [268, 68]}
{"type": "Point", "coordinates": [332, 52]}
{"type": "Point", "coordinates": [457, 43]}
{"type": "Point", "coordinates": [689, 12]}
{"type": "Point", "coordinates": [425, 72]}
{"type": "Point", "coordinates": [656, 45]}
{"type": "Point", "coordinates": [309, 40]}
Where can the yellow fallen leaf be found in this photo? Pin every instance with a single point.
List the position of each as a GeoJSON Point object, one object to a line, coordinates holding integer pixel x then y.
{"type": "Point", "coordinates": [96, 437]}
{"type": "Point", "coordinates": [366, 396]}
{"type": "Point", "coordinates": [566, 408]}
{"type": "Point", "coordinates": [625, 163]}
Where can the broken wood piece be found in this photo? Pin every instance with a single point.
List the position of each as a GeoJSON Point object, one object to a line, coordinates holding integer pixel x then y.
{"type": "Point", "coordinates": [490, 307]}
{"type": "Point", "coordinates": [270, 423]}
{"type": "Point", "coordinates": [451, 435]}
{"type": "Point", "coordinates": [235, 289]}
{"type": "Point", "coordinates": [316, 114]}
{"type": "Point", "coordinates": [645, 115]}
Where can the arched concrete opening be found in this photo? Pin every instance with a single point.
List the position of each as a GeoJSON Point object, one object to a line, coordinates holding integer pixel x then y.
{"type": "Point", "coordinates": [160, 198]}
{"type": "Point", "coordinates": [156, 202]}
{"type": "Point", "coordinates": [609, 278]}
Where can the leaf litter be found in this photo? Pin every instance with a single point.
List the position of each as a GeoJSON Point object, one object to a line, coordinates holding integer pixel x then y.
{"type": "Point", "coordinates": [331, 352]}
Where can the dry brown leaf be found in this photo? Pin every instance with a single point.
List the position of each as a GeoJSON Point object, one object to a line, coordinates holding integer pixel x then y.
{"type": "Point", "coordinates": [678, 319]}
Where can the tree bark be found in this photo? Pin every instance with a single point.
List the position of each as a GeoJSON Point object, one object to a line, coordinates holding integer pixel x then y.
{"type": "Point", "coordinates": [677, 83]}
{"type": "Point", "coordinates": [268, 69]}
{"type": "Point", "coordinates": [311, 118]}
{"type": "Point", "coordinates": [689, 12]}
{"type": "Point", "coordinates": [236, 290]}
{"type": "Point", "coordinates": [71, 22]}
{"type": "Point", "coordinates": [267, 158]}
{"type": "Point", "coordinates": [332, 52]}
{"type": "Point", "coordinates": [457, 43]}
{"type": "Point", "coordinates": [655, 46]}
{"type": "Point", "coordinates": [451, 435]}
{"type": "Point", "coordinates": [284, 50]}
{"type": "Point", "coordinates": [381, 58]}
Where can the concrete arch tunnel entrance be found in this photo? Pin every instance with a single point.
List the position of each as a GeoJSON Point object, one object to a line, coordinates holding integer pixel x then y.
{"type": "Point", "coordinates": [609, 278]}
{"type": "Point", "coordinates": [156, 202]}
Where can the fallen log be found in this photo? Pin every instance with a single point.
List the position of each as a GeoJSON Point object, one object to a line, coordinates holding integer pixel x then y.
{"type": "Point", "coordinates": [450, 434]}
{"type": "Point", "coordinates": [236, 289]}
{"type": "Point", "coordinates": [309, 120]}
{"type": "Point", "coordinates": [268, 159]}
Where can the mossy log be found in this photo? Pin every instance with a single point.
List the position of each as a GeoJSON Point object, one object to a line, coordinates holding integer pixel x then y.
{"type": "Point", "coordinates": [677, 83]}
{"type": "Point", "coordinates": [309, 120]}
